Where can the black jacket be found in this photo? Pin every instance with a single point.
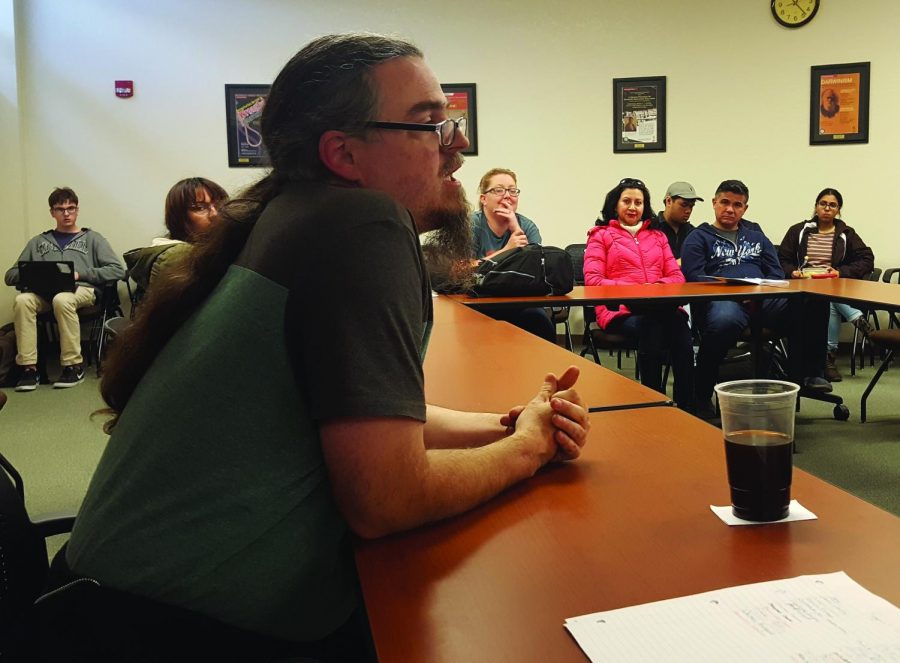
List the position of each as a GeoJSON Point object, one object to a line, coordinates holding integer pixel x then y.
{"type": "Point", "coordinates": [676, 239]}
{"type": "Point", "coordinates": [849, 255]}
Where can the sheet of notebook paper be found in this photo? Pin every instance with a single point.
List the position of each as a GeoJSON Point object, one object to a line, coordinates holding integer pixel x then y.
{"type": "Point", "coordinates": [810, 618]}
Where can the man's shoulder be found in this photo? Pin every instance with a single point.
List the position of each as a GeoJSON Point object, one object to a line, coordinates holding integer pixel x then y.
{"type": "Point", "coordinates": [700, 233]}
{"type": "Point", "coordinates": [46, 234]}
{"type": "Point", "coordinates": [90, 233]}
{"type": "Point", "coordinates": [752, 230]}
{"type": "Point", "coordinates": [349, 204]}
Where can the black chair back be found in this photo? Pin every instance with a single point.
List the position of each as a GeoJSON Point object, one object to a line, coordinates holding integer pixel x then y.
{"type": "Point", "coordinates": [576, 252]}
{"type": "Point", "coordinates": [23, 563]}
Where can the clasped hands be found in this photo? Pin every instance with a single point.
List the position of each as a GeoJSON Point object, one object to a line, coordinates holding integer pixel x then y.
{"type": "Point", "coordinates": [556, 413]}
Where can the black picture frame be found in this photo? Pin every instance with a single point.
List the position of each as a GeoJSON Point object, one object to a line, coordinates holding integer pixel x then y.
{"type": "Point", "coordinates": [839, 103]}
{"type": "Point", "coordinates": [461, 103]}
{"type": "Point", "coordinates": [639, 102]}
{"type": "Point", "coordinates": [243, 110]}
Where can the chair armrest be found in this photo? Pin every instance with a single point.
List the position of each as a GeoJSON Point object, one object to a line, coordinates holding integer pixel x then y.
{"type": "Point", "coordinates": [52, 525]}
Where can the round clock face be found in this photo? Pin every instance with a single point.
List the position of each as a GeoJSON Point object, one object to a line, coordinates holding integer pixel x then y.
{"type": "Point", "coordinates": [794, 13]}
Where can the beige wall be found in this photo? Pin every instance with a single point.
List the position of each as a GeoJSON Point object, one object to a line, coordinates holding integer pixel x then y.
{"type": "Point", "coordinates": [738, 99]}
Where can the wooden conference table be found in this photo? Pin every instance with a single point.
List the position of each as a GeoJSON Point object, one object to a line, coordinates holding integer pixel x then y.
{"type": "Point", "coordinates": [852, 291]}
{"type": "Point", "coordinates": [472, 354]}
{"type": "Point", "coordinates": [627, 523]}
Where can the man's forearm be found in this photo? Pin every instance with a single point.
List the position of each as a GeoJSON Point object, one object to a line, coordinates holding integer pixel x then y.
{"type": "Point", "coordinates": [453, 429]}
{"type": "Point", "coordinates": [385, 481]}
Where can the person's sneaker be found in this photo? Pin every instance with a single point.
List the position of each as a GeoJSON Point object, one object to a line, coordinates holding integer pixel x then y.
{"type": "Point", "coordinates": [29, 380]}
{"type": "Point", "coordinates": [70, 377]}
{"type": "Point", "coordinates": [832, 374]}
{"type": "Point", "coordinates": [817, 384]}
{"type": "Point", "coordinates": [863, 326]}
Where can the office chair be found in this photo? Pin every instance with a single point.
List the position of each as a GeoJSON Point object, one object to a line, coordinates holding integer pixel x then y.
{"type": "Point", "coordinates": [559, 315]}
{"type": "Point", "coordinates": [23, 562]}
{"type": "Point", "coordinates": [858, 346]}
{"type": "Point", "coordinates": [892, 275]}
{"type": "Point", "coordinates": [107, 306]}
{"type": "Point", "coordinates": [889, 341]}
{"type": "Point", "coordinates": [594, 338]}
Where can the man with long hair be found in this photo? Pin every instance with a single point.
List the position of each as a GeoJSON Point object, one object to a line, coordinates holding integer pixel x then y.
{"type": "Point", "coordinates": [269, 398]}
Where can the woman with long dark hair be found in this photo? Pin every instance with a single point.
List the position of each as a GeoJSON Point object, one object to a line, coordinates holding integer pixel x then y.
{"type": "Point", "coordinates": [622, 248]}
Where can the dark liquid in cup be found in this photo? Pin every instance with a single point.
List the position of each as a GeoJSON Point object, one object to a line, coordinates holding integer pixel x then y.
{"type": "Point", "coordinates": [759, 472]}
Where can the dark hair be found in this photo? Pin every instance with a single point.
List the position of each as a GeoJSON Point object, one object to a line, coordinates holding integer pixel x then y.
{"type": "Point", "coordinates": [181, 196]}
{"type": "Point", "coordinates": [831, 192]}
{"type": "Point", "coordinates": [611, 202]}
{"type": "Point", "coordinates": [733, 186]}
{"type": "Point", "coordinates": [326, 85]}
{"type": "Point", "coordinates": [61, 195]}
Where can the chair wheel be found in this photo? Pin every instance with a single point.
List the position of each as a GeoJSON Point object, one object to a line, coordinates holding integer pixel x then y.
{"type": "Point", "coordinates": [841, 412]}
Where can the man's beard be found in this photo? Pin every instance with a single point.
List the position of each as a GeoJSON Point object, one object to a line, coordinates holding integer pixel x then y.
{"type": "Point", "coordinates": [448, 248]}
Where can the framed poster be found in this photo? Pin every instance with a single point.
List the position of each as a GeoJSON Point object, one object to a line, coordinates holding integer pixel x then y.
{"type": "Point", "coordinates": [639, 114]}
{"type": "Point", "coordinates": [839, 104]}
{"type": "Point", "coordinates": [243, 110]}
{"type": "Point", "coordinates": [461, 107]}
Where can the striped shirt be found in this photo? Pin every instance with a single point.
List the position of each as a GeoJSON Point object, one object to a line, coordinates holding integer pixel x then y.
{"type": "Point", "coordinates": [818, 249]}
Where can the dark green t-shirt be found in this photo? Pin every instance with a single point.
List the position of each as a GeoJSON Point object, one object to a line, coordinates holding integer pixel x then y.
{"type": "Point", "coordinates": [212, 493]}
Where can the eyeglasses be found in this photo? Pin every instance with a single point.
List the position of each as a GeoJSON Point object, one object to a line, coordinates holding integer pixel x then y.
{"type": "Point", "coordinates": [72, 209]}
{"type": "Point", "coordinates": [828, 205]}
{"type": "Point", "coordinates": [630, 181]}
{"type": "Point", "coordinates": [202, 208]}
{"type": "Point", "coordinates": [445, 130]}
{"type": "Point", "coordinates": [499, 191]}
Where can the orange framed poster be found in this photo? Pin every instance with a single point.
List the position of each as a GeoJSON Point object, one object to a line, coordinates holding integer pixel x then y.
{"type": "Point", "coordinates": [839, 104]}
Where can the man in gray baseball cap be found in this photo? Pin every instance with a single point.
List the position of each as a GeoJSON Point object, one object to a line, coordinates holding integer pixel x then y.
{"type": "Point", "coordinates": [673, 220]}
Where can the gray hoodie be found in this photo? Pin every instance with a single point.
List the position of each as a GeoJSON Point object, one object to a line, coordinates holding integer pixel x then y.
{"type": "Point", "coordinates": [93, 257]}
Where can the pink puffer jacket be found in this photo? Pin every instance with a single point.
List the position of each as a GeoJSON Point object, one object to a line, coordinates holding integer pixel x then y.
{"type": "Point", "coordinates": [614, 257]}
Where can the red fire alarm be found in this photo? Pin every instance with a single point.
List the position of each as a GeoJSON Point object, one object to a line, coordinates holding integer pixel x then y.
{"type": "Point", "coordinates": [124, 89]}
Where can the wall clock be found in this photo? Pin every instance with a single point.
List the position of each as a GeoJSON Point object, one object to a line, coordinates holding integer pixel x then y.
{"type": "Point", "coordinates": [794, 13]}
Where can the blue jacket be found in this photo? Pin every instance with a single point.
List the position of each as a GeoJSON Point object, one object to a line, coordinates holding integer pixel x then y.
{"type": "Point", "coordinates": [706, 252]}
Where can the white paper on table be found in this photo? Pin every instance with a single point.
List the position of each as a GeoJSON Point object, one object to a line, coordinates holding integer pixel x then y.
{"type": "Point", "coordinates": [796, 511]}
{"type": "Point", "coordinates": [825, 617]}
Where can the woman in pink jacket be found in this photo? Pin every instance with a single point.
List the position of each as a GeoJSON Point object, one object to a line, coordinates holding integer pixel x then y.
{"type": "Point", "coordinates": [622, 249]}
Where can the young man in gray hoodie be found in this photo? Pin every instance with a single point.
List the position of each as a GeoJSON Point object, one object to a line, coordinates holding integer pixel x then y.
{"type": "Point", "coordinates": [94, 262]}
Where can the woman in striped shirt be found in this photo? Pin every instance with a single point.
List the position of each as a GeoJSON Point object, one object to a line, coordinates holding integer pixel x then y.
{"type": "Point", "coordinates": [828, 245]}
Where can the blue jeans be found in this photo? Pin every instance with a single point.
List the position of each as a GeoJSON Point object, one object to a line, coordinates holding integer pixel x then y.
{"type": "Point", "coordinates": [722, 323]}
{"type": "Point", "coordinates": [660, 335]}
{"type": "Point", "coordinates": [839, 313]}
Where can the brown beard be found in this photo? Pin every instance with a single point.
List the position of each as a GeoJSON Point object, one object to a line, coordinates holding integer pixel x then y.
{"type": "Point", "coordinates": [448, 249]}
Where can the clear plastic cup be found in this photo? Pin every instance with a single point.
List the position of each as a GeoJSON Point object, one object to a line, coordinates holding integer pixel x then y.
{"type": "Point", "coordinates": [758, 426]}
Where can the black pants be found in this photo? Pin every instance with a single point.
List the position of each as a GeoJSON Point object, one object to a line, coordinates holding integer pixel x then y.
{"type": "Point", "coordinates": [534, 320]}
{"type": "Point", "coordinates": [662, 334]}
{"type": "Point", "coordinates": [84, 622]}
{"type": "Point", "coordinates": [805, 323]}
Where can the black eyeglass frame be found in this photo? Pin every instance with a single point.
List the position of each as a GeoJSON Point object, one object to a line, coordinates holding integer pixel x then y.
{"type": "Point", "coordinates": [438, 128]}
